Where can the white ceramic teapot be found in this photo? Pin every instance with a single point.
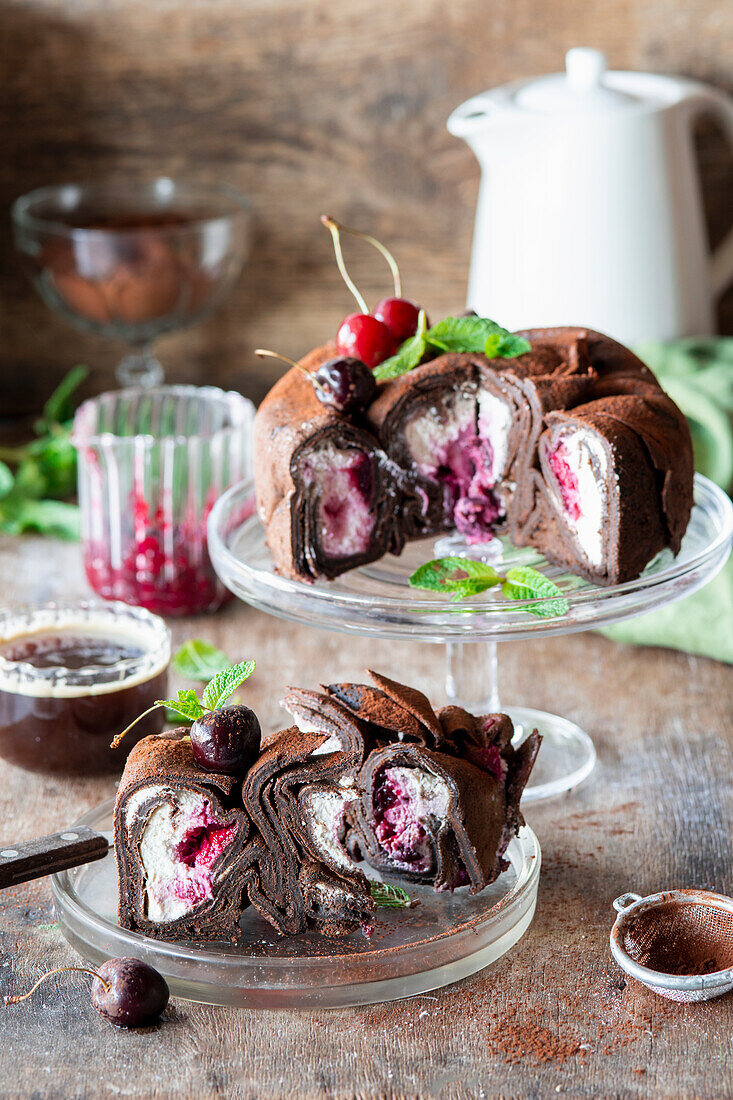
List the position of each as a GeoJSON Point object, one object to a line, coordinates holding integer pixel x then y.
{"type": "Point", "coordinates": [589, 209]}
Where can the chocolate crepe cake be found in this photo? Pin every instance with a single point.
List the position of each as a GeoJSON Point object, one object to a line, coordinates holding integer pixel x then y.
{"type": "Point", "coordinates": [368, 773]}
{"type": "Point", "coordinates": [572, 448]}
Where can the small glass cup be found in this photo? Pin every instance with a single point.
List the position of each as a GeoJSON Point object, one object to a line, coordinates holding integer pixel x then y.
{"type": "Point", "coordinates": [72, 676]}
{"type": "Point", "coordinates": [152, 462]}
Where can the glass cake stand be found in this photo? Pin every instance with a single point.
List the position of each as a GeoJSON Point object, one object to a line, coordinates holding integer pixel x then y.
{"type": "Point", "coordinates": [444, 938]}
{"type": "Point", "coordinates": [377, 601]}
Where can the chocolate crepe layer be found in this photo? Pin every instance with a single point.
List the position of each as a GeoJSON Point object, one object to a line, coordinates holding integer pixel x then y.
{"type": "Point", "coordinates": [179, 843]}
{"type": "Point", "coordinates": [293, 872]}
{"type": "Point", "coordinates": [454, 444]}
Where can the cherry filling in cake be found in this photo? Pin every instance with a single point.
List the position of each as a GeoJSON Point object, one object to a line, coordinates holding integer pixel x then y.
{"type": "Point", "coordinates": [179, 848]}
{"type": "Point", "coordinates": [462, 443]}
{"type": "Point", "coordinates": [578, 464]}
{"type": "Point", "coordinates": [342, 484]}
{"type": "Point", "coordinates": [404, 800]}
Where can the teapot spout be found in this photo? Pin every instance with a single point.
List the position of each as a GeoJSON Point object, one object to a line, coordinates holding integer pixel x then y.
{"type": "Point", "coordinates": [472, 118]}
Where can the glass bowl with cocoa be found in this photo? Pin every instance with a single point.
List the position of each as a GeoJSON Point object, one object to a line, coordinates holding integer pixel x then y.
{"type": "Point", "coordinates": [74, 674]}
{"type": "Point", "coordinates": [132, 261]}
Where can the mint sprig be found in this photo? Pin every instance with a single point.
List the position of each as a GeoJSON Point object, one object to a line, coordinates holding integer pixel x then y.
{"type": "Point", "coordinates": [390, 897]}
{"type": "Point", "coordinates": [469, 335]}
{"type": "Point", "coordinates": [464, 577]}
{"type": "Point", "coordinates": [37, 477]}
{"type": "Point", "coordinates": [188, 705]}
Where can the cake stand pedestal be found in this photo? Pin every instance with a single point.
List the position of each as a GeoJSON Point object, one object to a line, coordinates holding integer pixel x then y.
{"type": "Point", "coordinates": [377, 601]}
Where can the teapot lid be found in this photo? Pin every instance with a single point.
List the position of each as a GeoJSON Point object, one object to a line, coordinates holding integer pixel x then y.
{"type": "Point", "coordinates": [581, 88]}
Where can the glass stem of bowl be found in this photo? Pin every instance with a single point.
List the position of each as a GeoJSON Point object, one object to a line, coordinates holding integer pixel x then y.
{"type": "Point", "coordinates": [472, 676]}
{"type": "Point", "coordinates": [140, 368]}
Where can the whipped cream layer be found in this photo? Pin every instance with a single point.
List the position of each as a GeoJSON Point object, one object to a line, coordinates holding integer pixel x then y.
{"type": "Point", "coordinates": [462, 441]}
{"type": "Point", "coordinates": [325, 818]}
{"type": "Point", "coordinates": [342, 484]}
{"type": "Point", "coordinates": [179, 847]}
{"type": "Point", "coordinates": [579, 465]}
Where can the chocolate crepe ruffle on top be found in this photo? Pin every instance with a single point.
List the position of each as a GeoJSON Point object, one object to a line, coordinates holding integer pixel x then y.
{"type": "Point", "coordinates": [467, 442]}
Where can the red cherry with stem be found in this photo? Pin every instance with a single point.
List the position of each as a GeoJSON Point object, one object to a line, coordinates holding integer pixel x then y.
{"type": "Point", "coordinates": [364, 337]}
{"type": "Point", "coordinates": [360, 335]}
{"type": "Point", "coordinates": [400, 315]}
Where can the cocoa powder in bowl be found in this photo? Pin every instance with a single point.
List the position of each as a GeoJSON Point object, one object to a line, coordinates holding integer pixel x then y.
{"type": "Point", "coordinates": [681, 938]}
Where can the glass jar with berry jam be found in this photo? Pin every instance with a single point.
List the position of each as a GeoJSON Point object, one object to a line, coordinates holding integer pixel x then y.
{"type": "Point", "coordinates": [72, 676]}
{"type": "Point", "coordinates": [152, 462]}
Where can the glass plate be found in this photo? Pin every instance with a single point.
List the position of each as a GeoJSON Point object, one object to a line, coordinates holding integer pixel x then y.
{"type": "Point", "coordinates": [443, 939]}
{"type": "Point", "coordinates": [377, 600]}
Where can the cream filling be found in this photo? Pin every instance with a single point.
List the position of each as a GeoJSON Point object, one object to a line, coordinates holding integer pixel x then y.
{"type": "Point", "coordinates": [306, 725]}
{"type": "Point", "coordinates": [494, 422]}
{"type": "Point", "coordinates": [427, 431]}
{"type": "Point", "coordinates": [588, 462]}
{"type": "Point", "coordinates": [325, 813]}
{"type": "Point", "coordinates": [428, 794]}
{"type": "Point", "coordinates": [173, 888]}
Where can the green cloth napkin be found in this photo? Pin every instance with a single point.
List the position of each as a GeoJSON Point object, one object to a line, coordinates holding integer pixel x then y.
{"type": "Point", "coordinates": [698, 375]}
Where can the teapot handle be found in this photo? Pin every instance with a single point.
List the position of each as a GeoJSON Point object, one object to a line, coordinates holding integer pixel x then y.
{"type": "Point", "coordinates": [721, 261]}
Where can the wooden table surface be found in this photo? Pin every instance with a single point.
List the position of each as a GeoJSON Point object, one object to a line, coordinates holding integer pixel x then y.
{"type": "Point", "coordinates": [553, 1017]}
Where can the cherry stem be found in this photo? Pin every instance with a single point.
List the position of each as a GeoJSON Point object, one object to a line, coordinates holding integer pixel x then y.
{"type": "Point", "coordinates": [117, 741]}
{"type": "Point", "coordinates": [59, 970]}
{"type": "Point", "coordinates": [264, 354]}
{"type": "Point", "coordinates": [379, 247]}
{"type": "Point", "coordinates": [335, 230]}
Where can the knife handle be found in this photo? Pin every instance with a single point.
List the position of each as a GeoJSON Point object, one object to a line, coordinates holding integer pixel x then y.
{"type": "Point", "coordinates": [48, 854]}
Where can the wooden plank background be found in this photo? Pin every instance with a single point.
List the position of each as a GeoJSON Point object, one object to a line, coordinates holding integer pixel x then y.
{"type": "Point", "coordinates": [307, 106]}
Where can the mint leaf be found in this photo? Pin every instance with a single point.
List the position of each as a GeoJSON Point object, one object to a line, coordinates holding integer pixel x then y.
{"type": "Point", "coordinates": [525, 583]}
{"type": "Point", "coordinates": [187, 705]}
{"type": "Point", "coordinates": [224, 683]}
{"type": "Point", "coordinates": [409, 355]}
{"type": "Point", "coordinates": [460, 576]}
{"type": "Point", "coordinates": [59, 407]}
{"type": "Point", "coordinates": [6, 480]}
{"type": "Point", "coordinates": [464, 334]}
{"type": "Point", "coordinates": [510, 346]}
{"type": "Point", "coordinates": [199, 660]}
{"type": "Point", "coordinates": [390, 897]}
{"type": "Point", "coordinates": [46, 517]}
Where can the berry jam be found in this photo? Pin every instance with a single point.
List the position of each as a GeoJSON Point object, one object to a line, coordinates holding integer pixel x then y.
{"type": "Point", "coordinates": [566, 480]}
{"type": "Point", "coordinates": [51, 724]}
{"type": "Point", "coordinates": [164, 567]}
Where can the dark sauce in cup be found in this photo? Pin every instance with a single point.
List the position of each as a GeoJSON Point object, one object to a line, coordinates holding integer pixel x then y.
{"type": "Point", "coordinates": [66, 690]}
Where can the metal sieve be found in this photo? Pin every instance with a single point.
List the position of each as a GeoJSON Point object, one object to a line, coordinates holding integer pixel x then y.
{"type": "Point", "coordinates": [678, 943]}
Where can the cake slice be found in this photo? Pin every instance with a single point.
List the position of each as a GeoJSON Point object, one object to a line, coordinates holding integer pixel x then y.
{"type": "Point", "coordinates": [180, 834]}
{"type": "Point", "coordinates": [618, 478]}
{"type": "Point", "coordinates": [325, 490]}
{"type": "Point", "coordinates": [293, 877]}
{"type": "Point", "coordinates": [438, 804]}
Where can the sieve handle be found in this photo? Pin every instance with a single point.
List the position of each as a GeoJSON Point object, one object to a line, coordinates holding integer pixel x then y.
{"type": "Point", "coordinates": [625, 902]}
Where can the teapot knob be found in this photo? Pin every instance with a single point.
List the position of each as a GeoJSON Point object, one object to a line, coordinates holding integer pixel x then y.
{"type": "Point", "coordinates": [585, 68]}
